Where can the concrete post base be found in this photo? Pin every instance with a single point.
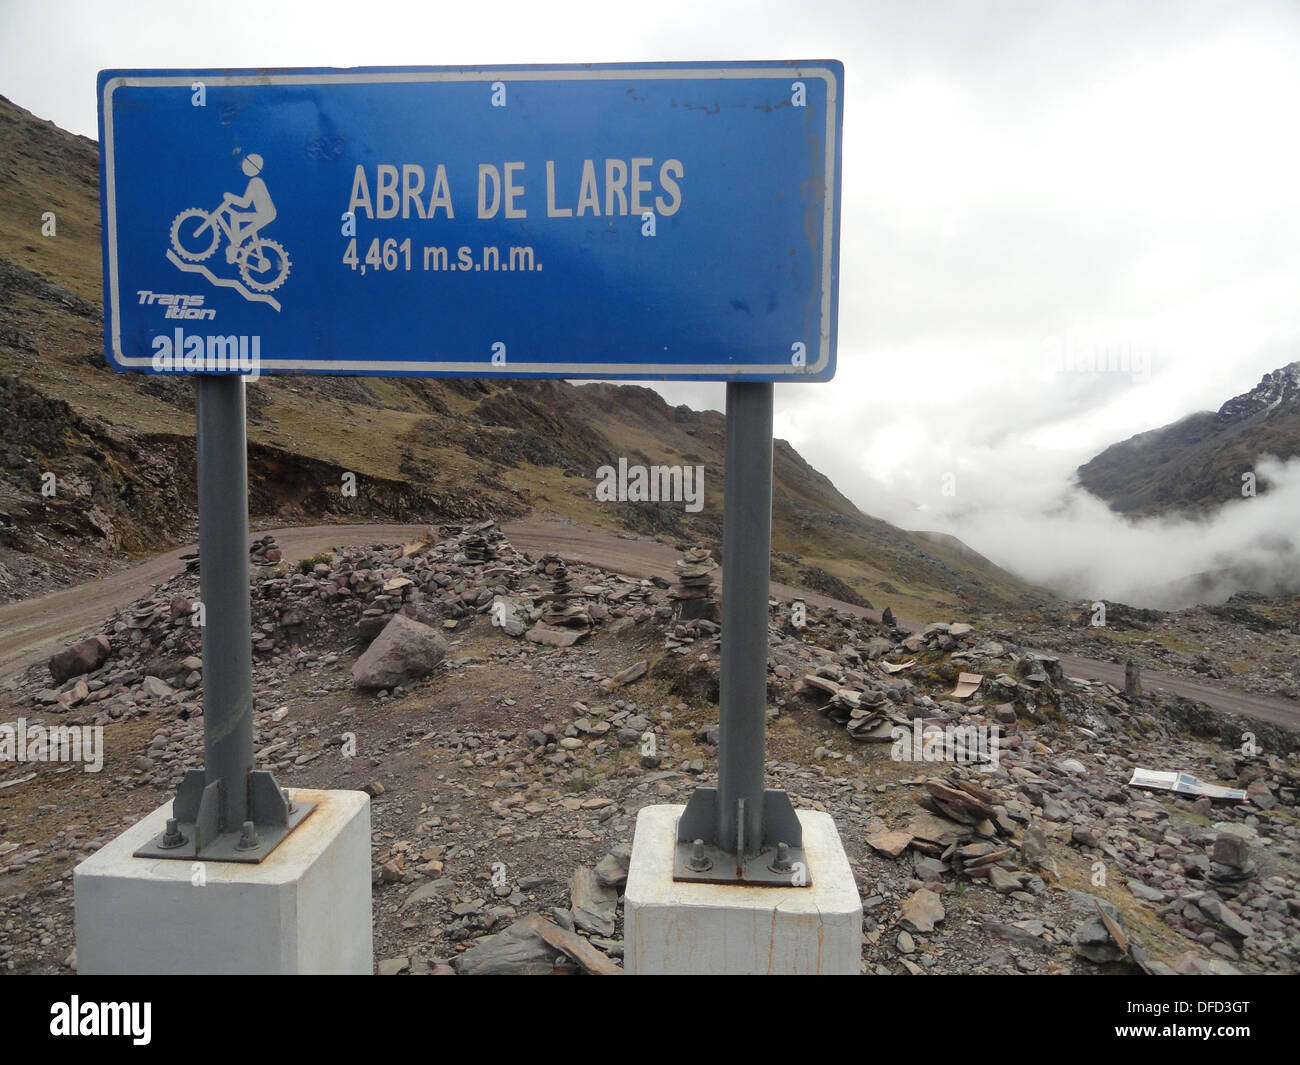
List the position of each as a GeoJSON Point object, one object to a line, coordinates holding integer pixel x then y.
{"type": "Point", "coordinates": [671, 927]}
{"type": "Point", "coordinates": [303, 909]}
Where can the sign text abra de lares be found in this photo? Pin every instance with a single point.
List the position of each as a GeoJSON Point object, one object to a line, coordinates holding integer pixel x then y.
{"type": "Point", "coordinates": [670, 221]}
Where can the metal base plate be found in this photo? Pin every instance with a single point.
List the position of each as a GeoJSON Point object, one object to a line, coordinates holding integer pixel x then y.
{"type": "Point", "coordinates": [198, 810]}
{"type": "Point", "coordinates": [755, 871]}
{"type": "Point", "coordinates": [225, 847]}
{"type": "Point", "coordinates": [721, 864]}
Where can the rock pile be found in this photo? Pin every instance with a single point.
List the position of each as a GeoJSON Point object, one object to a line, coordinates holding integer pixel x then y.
{"type": "Point", "coordinates": [564, 606]}
{"type": "Point", "coordinates": [1006, 821]}
{"type": "Point", "coordinates": [263, 552]}
{"type": "Point", "coordinates": [693, 602]}
{"type": "Point", "coordinates": [1231, 866]}
{"type": "Point", "coordinates": [534, 945]}
{"type": "Point", "coordinates": [683, 635]}
{"type": "Point", "coordinates": [479, 544]}
{"type": "Point", "coordinates": [989, 841]}
{"type": "Point", "coordinates": [863, 710]}
{"type": "Point", "coordinates": [694, 594]}
{"type": "Point", "coordinates": [564, 618]}
{"type": "Point", "coordinates": [151, 650]}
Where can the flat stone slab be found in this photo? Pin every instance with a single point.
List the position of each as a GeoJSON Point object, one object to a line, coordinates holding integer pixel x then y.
{"type": "Point", "coordinates": [890, 844]}
{"type": "Point", "coordinates": [922, 911]}
{"type": "Point", "coordinates": [519, 950]}
{"type": "Point", "coordinates": [554, 637]}
{"type": "Point", "coordinates": [592, 903]}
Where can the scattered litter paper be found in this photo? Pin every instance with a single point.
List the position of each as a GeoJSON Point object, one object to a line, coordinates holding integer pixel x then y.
{"type": "Point", "coordinates": [1184, 784]}
{"type": "Point", "coordinates": [966, 685]}
{"type": "Point", "coordinates": [891, 667]}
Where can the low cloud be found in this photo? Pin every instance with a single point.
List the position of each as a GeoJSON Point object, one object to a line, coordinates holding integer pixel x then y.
{"type": "Point", "coordinates": [984, 446]}
{"type": "Point", "coordinates": [1072, 543]}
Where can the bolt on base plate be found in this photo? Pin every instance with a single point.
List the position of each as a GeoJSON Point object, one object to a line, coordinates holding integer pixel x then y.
{"type": "Point", "coordinates": [757, 870]}
{"type": "Point", "coordinates": [193, 834]}
{"type": "Point", "coordinates": [780, 862]}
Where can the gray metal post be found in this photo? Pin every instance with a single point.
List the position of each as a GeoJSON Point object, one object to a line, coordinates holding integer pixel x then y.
{"type": "Point", "coordinates": [746, 571]}
{"type": "Point", "coordinates": [223, 576]}
{"type": "Point", "coordinates": [227, 811]}
{"type": "Point", "coordinates": [741, 832]}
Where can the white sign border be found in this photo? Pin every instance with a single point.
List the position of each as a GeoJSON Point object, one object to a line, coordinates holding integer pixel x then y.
{"type": "Point", "coordinates": [598, 371]}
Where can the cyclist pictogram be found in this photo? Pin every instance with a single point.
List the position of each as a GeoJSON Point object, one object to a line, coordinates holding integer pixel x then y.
{"type": "Point", "coordinates": [196, 234]}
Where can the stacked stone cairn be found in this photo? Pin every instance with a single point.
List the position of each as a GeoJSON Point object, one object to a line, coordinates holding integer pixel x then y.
{"type": "Point", "coordinates": [563, 606]}
{"type": "Point", "coordinates": [261, 552]}
{"type": "Point", "coordinates": [1231, 866]}
{"type": "Point", "coordinates": [480, 543]}
{"type": "Point", "coordinates": [694, 593]}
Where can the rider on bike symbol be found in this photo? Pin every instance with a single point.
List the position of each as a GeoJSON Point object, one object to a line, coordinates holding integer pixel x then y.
{"type": "Point", "coordinates": [195, 233]}
{"type": "Point", "coordinates": [245, 224]}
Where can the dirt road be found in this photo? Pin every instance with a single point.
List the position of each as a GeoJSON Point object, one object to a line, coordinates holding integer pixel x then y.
{"type": "Point", "coordinates": [33, 630]}
{"type": "Point", "coordinates": [36, 628]}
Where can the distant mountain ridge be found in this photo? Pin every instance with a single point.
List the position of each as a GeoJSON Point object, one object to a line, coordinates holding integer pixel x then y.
{"type": "Point", "coordinates": [1196, 463]}
{"type": "Point", "coordinates": [1276, 389]}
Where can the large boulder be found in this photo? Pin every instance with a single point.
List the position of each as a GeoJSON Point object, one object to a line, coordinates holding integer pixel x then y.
{"type": "Point", "coordinates": [406, 650]}
{"type": "Point", "coordinates": [79, 658]}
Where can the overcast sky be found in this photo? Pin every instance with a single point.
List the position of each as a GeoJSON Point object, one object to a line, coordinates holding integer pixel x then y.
{"type": "Point", "coordinates": [1030, 189]}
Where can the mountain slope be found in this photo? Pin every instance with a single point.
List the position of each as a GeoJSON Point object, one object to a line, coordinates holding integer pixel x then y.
{"type": "Point", "coordinates": [121, 445]}
{"type": "Point", "coordinates": [1198, 461]}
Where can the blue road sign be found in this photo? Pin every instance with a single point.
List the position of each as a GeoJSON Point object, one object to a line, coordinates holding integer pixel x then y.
{"type": "Point", "coordinates": [654, 221]}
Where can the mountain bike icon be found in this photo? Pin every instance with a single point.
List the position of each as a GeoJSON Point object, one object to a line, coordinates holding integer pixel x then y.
{"type": "Point", "coordinates": [196, 234]}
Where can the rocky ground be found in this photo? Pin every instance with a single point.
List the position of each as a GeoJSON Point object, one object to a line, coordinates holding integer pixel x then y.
{"type": "Point", "coordinates": [1253, 640]}
{"type": "Point", "coordinates": [502, 729]}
